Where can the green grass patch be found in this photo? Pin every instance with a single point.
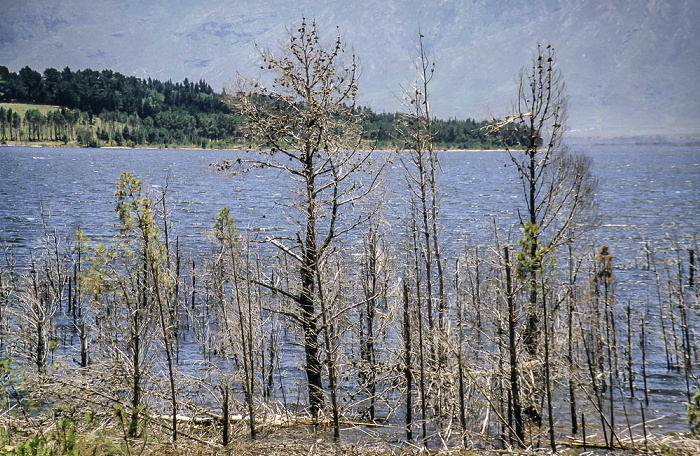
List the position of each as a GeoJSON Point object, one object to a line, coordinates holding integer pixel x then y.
{"type": "Point", "coordinates": [21, 108]}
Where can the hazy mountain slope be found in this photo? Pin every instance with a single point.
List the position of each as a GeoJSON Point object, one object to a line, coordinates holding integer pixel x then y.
{"type": "Point", "coordinates": [631, 67]}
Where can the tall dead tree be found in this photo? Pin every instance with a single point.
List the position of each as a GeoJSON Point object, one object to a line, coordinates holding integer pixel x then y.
{"type": "Point", "coordinates": [374, 278]}
{"type": "Point", "coordinates": [421, 164]}
{"type": "Point", "coordinates": [512, 351]}
{"type": "Point", "coordinates": [557, 185]}
{"type": "Point", "coordinates": [307, 127]}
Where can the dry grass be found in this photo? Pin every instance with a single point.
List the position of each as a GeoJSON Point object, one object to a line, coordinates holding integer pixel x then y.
{"type": "Point", "coordinates": [296, 438]}
{"type": "Point", "coordinates": [303, 440]}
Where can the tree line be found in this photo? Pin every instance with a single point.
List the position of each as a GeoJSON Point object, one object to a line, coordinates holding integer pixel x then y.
{"type": "Point", "coordinates": [112, 109]}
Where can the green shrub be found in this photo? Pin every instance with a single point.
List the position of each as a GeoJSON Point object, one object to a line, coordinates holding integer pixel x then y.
{"type": "Point", "coordinates": [693, 414]}
{"type": "Point", "coordinates": [37, 446]}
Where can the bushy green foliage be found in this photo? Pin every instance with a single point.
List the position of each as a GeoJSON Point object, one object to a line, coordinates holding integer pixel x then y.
{"type": "Point", "coordinates": [36, 446]}
{"type": "Point", "coordinates": [225, 228]}
{"type": "Point", "coordinates": [693, 414]}
{"type": "Point", "coordinates": [526, 262]}
{"type": "Point", "coordinates": [62, 441]}
{"type": "Point", "coordinates": [85, 138]}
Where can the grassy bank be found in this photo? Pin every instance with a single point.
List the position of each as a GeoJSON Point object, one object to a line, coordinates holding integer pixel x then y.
{"type": "Point", "coordinates": [84, 433]}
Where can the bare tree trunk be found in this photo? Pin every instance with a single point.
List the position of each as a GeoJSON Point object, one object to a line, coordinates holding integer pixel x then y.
{"type": "Point", "coordinates": [83, 346]}
{"type": "Point", "coordinates": [367, 336]}
{"type": "Point", "coordinates": [408, 374]}
{"type": "Point", "coordinates": [165, 328]}
{"type": "Point", "coordinates": [630, 372]}
{"type": "Point", "coordinates": [547, 369]}
{"type": "Point", "coordinates": [512, 349]}
{"type": "Point", "coordinates": [662, 318]}
{"type": "Point", "coordinates": [643, 346]}
{"type": "Point", "coordinates": [328, 335]}
{"type": "Point", "coordinates": [419, 307]}
{"type": "Point", "coordinates": [226, 416]}
{"type": "Point", "coordinates": [596, 389]}
{"type": "Point", "coordinates": [570, 347]}
{"type": "Point", "coordinates": [310, 328]}
{"type": "Point", "coordinates": [246, 342]}
{"type": "Point", "coordinates": [136, 366]}
{"type": "Point", "coordinates": [685, 332]}
{"type": "Point", "coordinates": [460, 367]}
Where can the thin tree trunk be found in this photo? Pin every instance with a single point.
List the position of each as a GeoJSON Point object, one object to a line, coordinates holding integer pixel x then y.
{"type": "Point", "coordinates": [685, 333]}
{"type": "Point", "coordinates": [83, 346]}
{"type": "Point", "coordinates": [421, 354]}
{"type": "Point", "coordinates": [408, 374]}
{"type": "Point", "coordinates": [460, 368]}
{"type": "Point", "coordinates": [547, 370]}
{"type": "Point", "coordinates": [226, 418]}
{"type": "Point", "coordinates": [662, 318]}
{"type": "Point", "coordinates": [630, 373]}
{"type": "Point", "coordinates": [512, 349]}
{"type": "Point", "coordinates": [246, 347]}
{"type": "Point", "coordinates": [570, 348]}
{"type": "Point", "coordinates": [168, 352]}
{"type": "Point", "coordinates": [643, 343]}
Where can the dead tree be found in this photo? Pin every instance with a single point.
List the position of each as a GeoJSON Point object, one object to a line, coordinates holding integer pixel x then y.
{"type": "Point", "coordinates": [557, 185]}
{"type": "Point", "coordinates": [41, 291]}
{"type": "Point", "coordinates": [307, 127]}
{"type": "Point", "coordinates": [512, 350]}
{"type": "Point", "coordinates": [421, 165]}
{"type": "Point", "coordinates": [239, 320]}
{"type": "Point", "coordinates": [374, 283]}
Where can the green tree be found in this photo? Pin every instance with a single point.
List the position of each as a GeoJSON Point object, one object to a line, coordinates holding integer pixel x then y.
{"type": "Point", "coordinates": [16, 124]}
{"type": "Point", "coordinates": [30, 85]}
{"type": "Point", "coordinates": [137, 221]}
{"type": "Point", "coordinates": [693, 414]}
{"type": "Point", "coordinates": [34, 121]}
{"type": "Point", "coordinates": [131, 285]}
{"type": "Point", "coordinates": [3, 124]}
{"type": "Point", "coordinates": [86, 137]}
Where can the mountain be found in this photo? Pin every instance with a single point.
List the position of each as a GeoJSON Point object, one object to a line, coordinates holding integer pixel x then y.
{"type": "Point", "coordinates": [631, 66]}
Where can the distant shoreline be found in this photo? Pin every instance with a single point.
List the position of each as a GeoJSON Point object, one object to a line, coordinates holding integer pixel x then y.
{"type": "Point", "coordinates": [35, 145]}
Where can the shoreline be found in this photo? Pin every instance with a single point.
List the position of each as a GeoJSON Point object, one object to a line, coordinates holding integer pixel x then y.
{"type": "Point", "coordinates": [35, 145]}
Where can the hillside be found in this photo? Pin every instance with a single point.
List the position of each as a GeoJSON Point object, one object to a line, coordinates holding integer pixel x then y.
{"type": "Point", "coordinates": [631, 67]}
{"type": "Point", "coordinates": [107, 108]}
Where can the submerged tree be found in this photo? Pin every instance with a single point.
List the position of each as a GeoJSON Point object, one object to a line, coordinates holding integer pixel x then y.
{"type": "Point", "coordinates": [130, 286]}
{"type": "Point", "coordinates": [41, 292]}
{"type": "Point", "coordinates": [306, 126]}
{"type": "Point", "coordinates": [238, 316]}
{"type": "Point", "coordinates": [421, 165]}
{"type": "Point", "coordinates": [557, 188]}
{"type": "Point", "coordinates": [138, 222]}
{"type": "Point", "coordinates": [557, 184]}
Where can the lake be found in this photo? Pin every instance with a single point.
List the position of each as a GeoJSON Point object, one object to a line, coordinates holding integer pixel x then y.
{"type": "Point", "coordinates": [649, 196]}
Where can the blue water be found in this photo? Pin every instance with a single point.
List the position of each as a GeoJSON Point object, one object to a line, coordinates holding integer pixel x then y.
{"type": "Point", "coordinates": [646, 192]}
{"type": "Point", "coordinates": [649, 196]}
